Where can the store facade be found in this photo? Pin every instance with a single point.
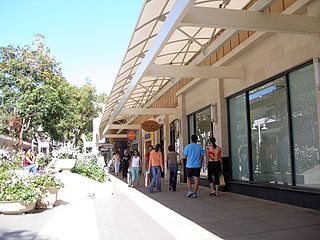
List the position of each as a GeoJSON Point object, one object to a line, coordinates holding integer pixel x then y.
{"type": "Point", "coordinates": [266, 117]}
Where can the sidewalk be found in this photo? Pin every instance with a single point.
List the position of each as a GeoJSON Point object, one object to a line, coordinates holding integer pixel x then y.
{"type": "Point", "coordinates": [91, 210]}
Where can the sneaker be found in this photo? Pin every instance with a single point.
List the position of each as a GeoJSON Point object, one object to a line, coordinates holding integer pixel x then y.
{"type": "Point", "coordinates": [194, 195]}
{"type": "Point", "coordinates": [190, 193]}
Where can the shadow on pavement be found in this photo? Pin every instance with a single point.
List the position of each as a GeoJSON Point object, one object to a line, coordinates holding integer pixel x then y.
{"type": "Point", "coordinates": [60, 203]}
{"type": "Point", "coordinates": [234, 216]}
{"type": "Point", "coordinates": [17, 235]}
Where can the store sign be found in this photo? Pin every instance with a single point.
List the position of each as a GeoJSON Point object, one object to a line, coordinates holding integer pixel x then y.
{"type": "Point", "coordinates": [131, 135]}
{"type": "Point", "coordinates": [147, 136]}
{"type": "Point", "coordinates": [150, 126]}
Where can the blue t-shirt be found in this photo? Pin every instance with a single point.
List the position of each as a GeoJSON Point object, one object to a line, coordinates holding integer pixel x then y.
{"type": "Point", "coordinates": [193, 151]}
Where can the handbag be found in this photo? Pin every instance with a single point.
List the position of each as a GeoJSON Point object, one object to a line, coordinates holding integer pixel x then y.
{"type": "Point", "coordinates": [222, 183]}
{"type": "Point", "coordinates": [147, 179]}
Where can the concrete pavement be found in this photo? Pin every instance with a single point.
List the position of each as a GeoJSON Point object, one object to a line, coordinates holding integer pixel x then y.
{"type": "Point", "coordinates": [91, 210]}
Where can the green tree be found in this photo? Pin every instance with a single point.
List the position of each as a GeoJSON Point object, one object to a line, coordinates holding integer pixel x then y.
{"type": "Point", "coordinates": [34, 94]}
{"type": "Point", "coordinates": [31, 88]}
{"type": "Point", "coordinates": [82, 109]}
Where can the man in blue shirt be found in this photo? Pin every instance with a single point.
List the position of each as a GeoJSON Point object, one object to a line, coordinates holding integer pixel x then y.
{"type": "Point", "coordinates": [194, 153]}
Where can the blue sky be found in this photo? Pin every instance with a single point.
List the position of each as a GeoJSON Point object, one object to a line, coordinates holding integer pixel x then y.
{"type": "Point", "coordinates": [88, 37]}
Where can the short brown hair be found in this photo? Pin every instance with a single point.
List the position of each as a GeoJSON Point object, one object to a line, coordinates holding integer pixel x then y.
{"type": "Point", "coordinates": [171, 148]}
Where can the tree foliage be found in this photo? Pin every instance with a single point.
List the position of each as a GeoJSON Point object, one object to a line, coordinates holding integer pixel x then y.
{"type": "Point", "coordinates": [34, 93]}
{"type": "Point", "coordinates": [82, 108]}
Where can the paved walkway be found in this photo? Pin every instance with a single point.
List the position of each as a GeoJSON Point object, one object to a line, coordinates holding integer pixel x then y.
{"type": "Point", "coordinates": [90, 210]}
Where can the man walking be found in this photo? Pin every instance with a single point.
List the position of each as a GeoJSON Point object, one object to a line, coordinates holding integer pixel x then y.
{"type": "Point", "coordinates": [194, 153]}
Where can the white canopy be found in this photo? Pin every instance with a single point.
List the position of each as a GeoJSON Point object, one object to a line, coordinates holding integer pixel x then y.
{"type": "Point", "coordinates": [171, 33]}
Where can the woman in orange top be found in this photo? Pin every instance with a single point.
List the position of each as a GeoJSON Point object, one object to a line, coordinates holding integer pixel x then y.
{"type": "Point", "coordinates": [214, 165]}
{"type": "Point", "coordinates": [156, 165]}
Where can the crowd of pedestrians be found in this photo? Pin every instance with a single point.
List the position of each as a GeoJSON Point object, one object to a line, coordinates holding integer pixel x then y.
{"type": "Point", "coordinates": [131, 164]}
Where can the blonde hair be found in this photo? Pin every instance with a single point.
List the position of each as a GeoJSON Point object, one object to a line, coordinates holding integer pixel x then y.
{"type": "Point", "coordinates": [29, 153]}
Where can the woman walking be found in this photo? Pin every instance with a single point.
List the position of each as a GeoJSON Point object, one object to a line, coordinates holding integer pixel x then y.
{"type": "Point", "coordinates": [173, 167]}
{"type": "Point", "coordinates": [116, 159]}
{"type": "Point", "coordinates": [156, 165]}
{"type": "Point", "coordinates": [214, 165]}
{"type": "Point", "coordinates": [125, 163]}
{"type": "Point", "coordinates": [136, 164]}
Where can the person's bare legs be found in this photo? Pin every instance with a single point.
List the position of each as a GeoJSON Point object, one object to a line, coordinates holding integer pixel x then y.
{"type": "Point", "coordinates": [212, 188]}
{"type": "Point", "coordinates": [189, 183]}
{"type": "Point", "coordinates": [217, 189]}
{"type": "Point", "coordinates": [196, 184]}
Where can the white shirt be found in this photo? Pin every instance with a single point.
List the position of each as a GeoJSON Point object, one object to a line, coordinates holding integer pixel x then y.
{"type": "Point", "coordinates": [135, 161]}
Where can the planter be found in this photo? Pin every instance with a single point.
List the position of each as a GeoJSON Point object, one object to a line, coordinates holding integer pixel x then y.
{"type": "Point", "coordinates": [65, 164]}
{"type": "Point", "coordinates": [50, 199]}
{"type": "Point", "coordinates": [16, 207]}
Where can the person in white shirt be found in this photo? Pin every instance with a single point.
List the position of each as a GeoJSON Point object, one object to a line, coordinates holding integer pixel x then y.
{"type": "Point", "coordinates": [116, 160]}
{"type": "Point", "coordinates": [135, 164]}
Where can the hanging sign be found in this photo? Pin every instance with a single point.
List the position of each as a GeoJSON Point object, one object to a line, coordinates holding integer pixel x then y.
{"type": "Point", "coordinates": [150, 126]}
{"type": "Point", "coordinates": [131, 135]}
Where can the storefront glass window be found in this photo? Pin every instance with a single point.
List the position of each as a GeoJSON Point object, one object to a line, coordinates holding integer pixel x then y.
{"type": "Point", "coordinates": [200, 124]}
{"type": "Point", "coordinates": [269, 133]}
{"type": "Point", "coordinates": [191, 129]}
{"type": "Point", "coordinates": [174, 135]}
{"type": "Point", "coordinates": [305, 105]}
{"type": "Point", "coordinates": [239, 139]}
{"type": "Point", "coordinates": [204, 132]}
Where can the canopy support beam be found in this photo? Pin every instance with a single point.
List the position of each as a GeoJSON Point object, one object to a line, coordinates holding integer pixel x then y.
{"type": "Point", "coordinates": [189, 71]}
{"type": "Point", "coordinates": [125, 126]}
{"type": "Point", "coordinates": [251, 20]}
{"type": "Point", "coordinates": [178, 11]}
{"type": "Point", "coordinates": [148, 111]}
{"type": "Point", "coordinates": [115, 135]}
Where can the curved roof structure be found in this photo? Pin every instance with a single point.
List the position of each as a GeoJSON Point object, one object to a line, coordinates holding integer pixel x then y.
{"type": "Point", "coordinates": [183, 45]}
{"type": "Point", "coordinates": [179, 33]}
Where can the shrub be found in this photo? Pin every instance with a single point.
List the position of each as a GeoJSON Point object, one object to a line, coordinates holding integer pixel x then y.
{"type": "Point", "coordinates": [18, 188]}
{"type": "Point", "coordinates": [43, 160]}
{"type": "Point", "coordinates": [21, 186]}
{"type": "Point", "coordinates": [44, 181]}
{"type": "Point", "coordinates": [9, 164]}
{"type": "Point", "coordinates": [89, 168]}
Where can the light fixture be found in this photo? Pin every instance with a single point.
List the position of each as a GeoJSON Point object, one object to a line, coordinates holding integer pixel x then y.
{"type": "Point", "coordinates": [254, 127]}
{"type": "Point", "coordinates": [162, 18]}
{"type": "Point", "coordinates": [142, 55]}
{"type": "Point", "coordinates": [264, 127]}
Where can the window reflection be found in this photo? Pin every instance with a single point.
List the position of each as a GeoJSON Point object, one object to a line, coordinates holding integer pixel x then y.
{"type": "Point", "coordinates": [305, 123]}
{"type": "Point", "coordinates": [269, 129]}
{"type": "Point", "coordinates": [204, 132]}
{"type": "Point", "coordinates": [269, 133]}
{"type": "Point", "coordinates": [239, 140]}
{"type": "Point", "coordinates": [200, 124]}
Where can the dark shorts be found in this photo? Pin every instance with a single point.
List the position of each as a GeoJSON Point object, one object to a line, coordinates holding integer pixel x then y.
{"type": "Point", "coordinates": [193, 172]}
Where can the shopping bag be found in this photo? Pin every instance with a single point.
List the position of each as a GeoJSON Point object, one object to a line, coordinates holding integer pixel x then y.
{"type": "Point", "coordinates": [222, 183]}
{"type": "Point", "coordinates": [147, 179]}
{"type": "Point", "coordinates": [129, 177]}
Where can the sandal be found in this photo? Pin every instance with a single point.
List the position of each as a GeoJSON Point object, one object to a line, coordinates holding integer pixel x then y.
{"type": "Point", "coordinates": [212, 193]}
